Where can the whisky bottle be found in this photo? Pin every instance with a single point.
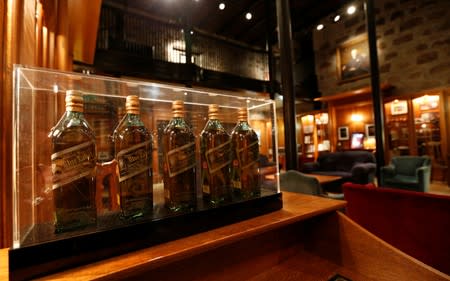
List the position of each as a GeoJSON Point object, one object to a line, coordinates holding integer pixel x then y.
{"type": "Point", "coordinates": [245, 150]}
{"type": "Point", "coordinates": [73, 161]}
{"type": "Point", "coordinates": [179, 162]}
{"type": "Point", "coordinates": [215, 154]}
{"type": "Point", "coordinates": [133, 153]}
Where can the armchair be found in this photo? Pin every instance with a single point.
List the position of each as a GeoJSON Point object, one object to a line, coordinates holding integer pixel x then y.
{"type": "Point", "coordinates": [407, 172]}
{"type": "Point", "coordinates": [295, 181]}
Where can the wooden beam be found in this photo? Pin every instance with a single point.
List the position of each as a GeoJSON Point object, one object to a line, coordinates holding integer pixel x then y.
{"type": "Point", "coordinates": [84, 18]}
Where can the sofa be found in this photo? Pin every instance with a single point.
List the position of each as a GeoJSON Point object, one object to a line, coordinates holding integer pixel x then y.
{"type": "Point", "coordinates": [357, 166]}
{"type": "Point", "coordinates": [407, 172]}
{"type": "Point", "coordinates": [416, 223]}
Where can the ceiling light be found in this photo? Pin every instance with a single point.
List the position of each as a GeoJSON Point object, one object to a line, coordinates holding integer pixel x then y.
{"type": "Point", "coordinates": [192, 32]}
{"type": "Point", "coordinates": [337, 18]}
{"type": "Point", "coordinates": [221, 6]}
{"type": "Point", "coordinates": [351, 10]}
{"type": "Point", "coordinates": [320, 27]}
{"type": "Point", "coordinates": [248, 16]}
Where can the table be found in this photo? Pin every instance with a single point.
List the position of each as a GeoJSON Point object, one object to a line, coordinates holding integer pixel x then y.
{"type": "Point", "coordinates": [324, 179]}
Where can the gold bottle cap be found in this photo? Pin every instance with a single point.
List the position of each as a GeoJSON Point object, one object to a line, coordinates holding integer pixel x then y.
{"type": "Point", "coordinates": [132, 105]}
{"type": "Point", "coordinates": [74, 101]}
{"type": "Point", "coordinates": [242, 114]}
{"type": "Point", "coordinates": [213, 111]}
{"type": "Point", "coordinates": [178, 108]}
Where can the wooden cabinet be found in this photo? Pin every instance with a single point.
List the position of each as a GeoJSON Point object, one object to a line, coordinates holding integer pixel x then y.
{"type": "Point", "coordinates": [398, 128]}
{"type": "Point", "coordinates": [415, 125]}
{"type": "Point", "coordinates": [314, 135]}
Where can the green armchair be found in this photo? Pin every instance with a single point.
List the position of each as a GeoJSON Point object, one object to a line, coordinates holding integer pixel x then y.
{"type": "Point", "coordinates": [407, 172]}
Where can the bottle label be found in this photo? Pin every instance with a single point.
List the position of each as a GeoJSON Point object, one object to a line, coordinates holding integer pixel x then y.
{"type": "Point", "coordinates": [247, 156]}
{"type": "Point", "coordinates": [181, 159]}
{"type": "Point", "coordinates": [134, 160]}
{"type": "Point", "coordinates": [73, 163]}
{"type": "Point", "coordinates": [219, 157]}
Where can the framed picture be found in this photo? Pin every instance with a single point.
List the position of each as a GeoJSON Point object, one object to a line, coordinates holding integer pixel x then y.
{"type": "Point", "coordinates": [343, 133]}
{"type": "Point", "coordinates": [370, 130]}
{"type": "Point", "coordinates": [399, 107]}
{"type": "Point", "coordinates": [357, 141]}
{"type": "Point", "coordinates": [352, 59]}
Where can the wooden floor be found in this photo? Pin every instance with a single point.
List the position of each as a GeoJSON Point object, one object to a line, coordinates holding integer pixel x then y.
{"type": "Point", "coordinates": [439, 187]}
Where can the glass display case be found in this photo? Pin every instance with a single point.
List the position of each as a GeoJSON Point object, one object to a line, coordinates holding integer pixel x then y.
{"type": "Point", "coordinates": [40, 102]}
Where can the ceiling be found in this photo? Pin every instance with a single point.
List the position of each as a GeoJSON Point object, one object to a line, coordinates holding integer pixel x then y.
{"type": "Point", "coordinates": [205, 16]}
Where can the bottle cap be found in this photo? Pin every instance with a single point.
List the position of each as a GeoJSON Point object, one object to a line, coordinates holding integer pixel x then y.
{"type": "Point", "coordinates": [213, 111]}
{"type": "Point", "coordinates": [242, 114]}
{"type": "Point", "coordinates": [74, 101]}
{"type": "Point", "coordinates": [132, 105]}
{"type": "Point", "coordinates": [178, 108]}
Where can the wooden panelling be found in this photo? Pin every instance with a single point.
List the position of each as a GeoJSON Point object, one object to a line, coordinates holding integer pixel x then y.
{"type": "Point", "coordinates": [84, 17]}
{"type": "Point", "coordinates": [3, 171]}
{"type": "Point", "coordinates": [34, 33]}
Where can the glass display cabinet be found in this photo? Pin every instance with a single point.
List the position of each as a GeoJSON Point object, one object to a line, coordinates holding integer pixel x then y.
{"type": "Point", "coordinates": [314, 137]}
{"type": "Point", "coordinates": [40, 100]}
{"type": "Point", "coordinates": [398, 131]}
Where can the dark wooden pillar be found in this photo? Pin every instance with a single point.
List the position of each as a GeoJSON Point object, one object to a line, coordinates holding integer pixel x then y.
{"type": "Point", "coordinates": [375, 83]}
{"type": "Point", "coordinates": [287, 82]}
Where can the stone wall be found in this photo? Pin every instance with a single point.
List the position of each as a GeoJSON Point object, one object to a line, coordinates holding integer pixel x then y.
{"type": "Point", "coordinates": [413, 43]}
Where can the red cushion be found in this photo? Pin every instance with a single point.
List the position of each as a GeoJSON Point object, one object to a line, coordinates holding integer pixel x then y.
{"type": "Point", "coordinates": [417, 223]}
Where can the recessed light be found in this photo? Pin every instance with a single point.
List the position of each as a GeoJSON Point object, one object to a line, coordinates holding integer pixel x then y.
{"type": "Point", "coordinates": [320, 27]}
{"type": "Point", "coordinates": [221, 6]}
{"type": "Point", "coordinates": [248, 16]}
{"type": "Point", "coordinates": [351, 10]}
{"type": "Point", "coordinates": [192, 32]}
{"type": "Point", "coordinates": [336, 18]}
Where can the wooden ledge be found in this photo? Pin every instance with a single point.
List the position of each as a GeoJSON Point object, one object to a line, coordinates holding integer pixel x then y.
{"type": "Point", "coordinates": [296, 207]}
{"type": "Point", "coordinates": [350, 94]}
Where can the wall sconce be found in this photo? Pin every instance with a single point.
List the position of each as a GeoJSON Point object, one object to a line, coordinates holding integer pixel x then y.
{"type": "Point", "coordinates": [356, 117]}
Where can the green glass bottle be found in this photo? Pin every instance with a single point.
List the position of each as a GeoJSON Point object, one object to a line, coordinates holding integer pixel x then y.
{"type": "Point", "coordinates": [215, 153]}
{"type": "Point", "coordinates": [73, 161]}
{"type": "Point", "coordinates": [179, 162]}
{"type": "Point", "coordinates": [245, 150]}
{"type": "Point", "coordinates": [133, 153]}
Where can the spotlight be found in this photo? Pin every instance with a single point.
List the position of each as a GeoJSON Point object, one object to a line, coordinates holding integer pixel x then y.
{"type": "Point", "coordinates": [320, 27]}
{"type": "Point", "coordinates": [336, 18]}
{"type": "Point", "coordinates": [221, 6]}
{"type": "Point", "coordinates": [351, 10]}
{"type": "Point", "coordinates": [248, 16]}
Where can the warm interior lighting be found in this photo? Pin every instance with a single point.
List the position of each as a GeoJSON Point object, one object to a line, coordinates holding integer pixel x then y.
{"type": "Point", "coordinates": [319, 27]}
{"type": "Point", "coordinates": [370, 143]}
{"type": "Point", "coordinates": [322, 118]}
{"type": "Point", "coordinates": [222, 6]}
{"type": "Point", "coordinates": [248, 16]}
{"type": "Point", "coordinates": [351, 10]}
{"type": "Point", "coordinates": [336, 18]}
{"type": "Point", "coordinates": [356, 117]}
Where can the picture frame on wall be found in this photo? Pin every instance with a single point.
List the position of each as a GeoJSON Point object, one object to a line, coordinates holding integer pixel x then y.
{"type": "Point", "coordinates": [352, 59]}
{"type": "Point", "coordinates": [399, 107]}
{"type": "Point", "coordinates": [343, 133]}
{"type": "Point", "coordinates": [370, 130]}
